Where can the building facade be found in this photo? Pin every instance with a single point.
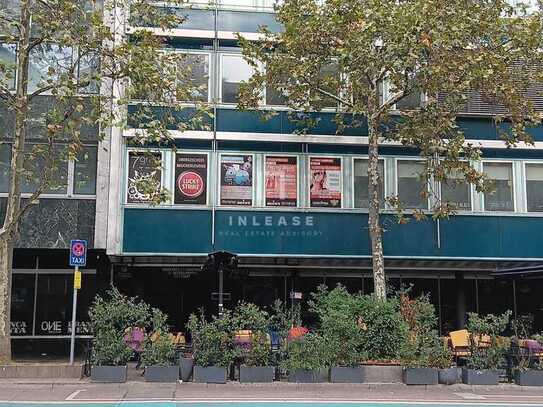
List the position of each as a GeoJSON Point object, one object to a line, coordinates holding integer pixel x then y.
{"type": "Point", "coordinates": [292, 206]}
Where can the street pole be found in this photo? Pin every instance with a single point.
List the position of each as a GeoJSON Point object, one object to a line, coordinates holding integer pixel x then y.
{"type": "Point", "coordinates": [74, 311]}
{"type": "Point", "coordinates": [221, 288]}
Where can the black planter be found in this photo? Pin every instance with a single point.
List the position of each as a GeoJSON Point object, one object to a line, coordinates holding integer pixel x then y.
{"type": "Point", "coordinates": [452, 375]}
{"type": "Point", "coordinates": [530, 377]}
{"type": "Point", "coordinates": [482, 377]}
{"type": "Point", "coordinates": [308, 376]}
{"type": "Point", "coordinates": [108, 374]}
{"type": "Point", "coordinates": [256, 374]}
{"type": "Point", "coordinates": [209, 374]}
{"type": "Point", "coordinates": [420, 375]}
{"type": "Point", "coordinates": [162, 374]}
{"type": "Point", "coordinates": [186, 365]}
{"type": "Point", "coordinates": [341, 374]}
{"type": "Point", "coordinates": [381, 374]}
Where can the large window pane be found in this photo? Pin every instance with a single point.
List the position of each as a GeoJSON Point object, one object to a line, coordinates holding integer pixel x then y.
{"type": "Point", "coordinates": [361, 193]}
{"type": "Point", "coordinates": [85, 171]}
{"type": "Point", "coordinates": [411, 188]}
{"type": "Point", "coordinates": [22, 304]}
{"type": "Point", "coordinates": [534, 187]}
{"type": "Point", "coordinates": [5, 160]}
{"type": "Point", "coordinates": [234, 70]}
{"type": "Point", "coordinates": [54, 304]}
{"type": "Point", "coordinates": [456, 192]}
{"type": "Point", "coordinates": [7, 65]}
{"type": "Point", "coordinates": [37, 161]}
{"type": "Point", "coordinates": [194, 77]}
{"type": "Point", "coordinates": [47, 61]}
{"type": "Point", "coordinates": [89, 66]}
{"type": "Point", "coordinates": [501, 175]}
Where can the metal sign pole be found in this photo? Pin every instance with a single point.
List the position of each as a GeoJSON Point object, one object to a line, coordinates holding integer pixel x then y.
{"type": "Point", "coordinates": [74, 311]}
{"type": "Point", "coordinates": [221, 288]}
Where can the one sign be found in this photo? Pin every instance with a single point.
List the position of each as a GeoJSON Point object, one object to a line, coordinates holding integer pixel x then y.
{"type": "Point", "coordinates": [77, 280]}
{"type": "Point", "coordinates": [78, 253]}
{"type": "Point", "coordinates": [190, 179]}
{"type": "Point", "coordinates": [325, 190]}
{"type": "Point", "coordinates": [281, 181]}
{"type": "Point", "coordinates": [237, 180]}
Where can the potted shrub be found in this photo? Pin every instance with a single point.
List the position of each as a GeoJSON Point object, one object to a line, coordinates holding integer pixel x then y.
{"type": "Point", "coordinates": [308, 359]}
{"type": "Point", "coordinates": [254, 356]}
{"type": "Point", "coordinates": [486, 348]}
{"type": "Point", "coordinates": [448, 373]}
{"type": "Point", "coordinates": [186, 365]}
{"type": "Point", "coordinates": [159, 353]}
{"type": "Point", "coordinates": [338, 313]}
{"type": "Point", "coordinates": [110, 315]}
{"type": "Point", "coordinates": [528, 370]}
{"type": "Point", "coordinates": [212, 345]}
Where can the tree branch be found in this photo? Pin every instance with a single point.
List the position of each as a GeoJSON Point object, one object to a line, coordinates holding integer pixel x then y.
{"type": "Point", "coordinates": [6, 94]}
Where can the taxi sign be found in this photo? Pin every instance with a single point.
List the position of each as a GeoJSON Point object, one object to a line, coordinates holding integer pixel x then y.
{"type": "Point", "coordinates": [78, 253]}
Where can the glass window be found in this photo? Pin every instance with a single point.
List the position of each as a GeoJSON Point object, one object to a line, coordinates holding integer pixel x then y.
{"type": "Point", "coordinates": [234, 70]}
{"type": "Point", "coordinates": [35, 162]}
{"type": "Point", "coordinates": [54, 304]}
{"type": "Point", "coordinates": [456, 192]}
{"type": "Point", "coordinates": [8, 57]}
{"type": "Point", "coordinates": [193, 76]}
{"type": "Point", "coordinates": [534, 187]}
{"type": "Point", "coordinates": [22, 304]}
{"type": "Point", "coordinates": [361, 194]}
{"type": "Point", "coordinates": [329, 82]}
{"type": "Point", "coordinates": [411, 189]}
{"type": "Point", "coordinates": [89, 66]}
{"type": "Point", "coordinates": [410, 102]}
{"type": "Point", "coordinates": [47, 62]}
{"type": "Point", "coordinates": [5, 161]}
{"type": "Point", "coordinates": [501, 175]}
{"type": "Point", "coordinates": [85, 171]}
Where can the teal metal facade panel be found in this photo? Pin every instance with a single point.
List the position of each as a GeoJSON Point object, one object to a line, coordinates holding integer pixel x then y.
{"type": "Point", "coordinates": [328, 234]}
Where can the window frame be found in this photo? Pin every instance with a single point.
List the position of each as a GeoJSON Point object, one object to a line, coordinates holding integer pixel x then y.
{"type": "Point", "coordinates": [525, 164]}
{"type": "Point", "coordinates": [397, 183]}
{"type": "Point", "coordinates": [471, 197]}
{"type": "Point", "coordinates": [221, 55]}
{"type": "Point", "coordinates": [387, 95]}
{"type": "Point", "coordinates": [384, 181]}
{"type": "Point", "coordinates": [513, 186]}
{"type": "Point", "coordinates": [298, 183]}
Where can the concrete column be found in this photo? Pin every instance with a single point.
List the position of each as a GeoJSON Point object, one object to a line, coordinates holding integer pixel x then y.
{"type": "Point", "coordinates": [460, 301]}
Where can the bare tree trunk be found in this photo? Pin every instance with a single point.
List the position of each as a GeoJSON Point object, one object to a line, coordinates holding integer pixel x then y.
{"type": "Point", "coordinates": [11, 220]}
{"type": "Point", "coordinates": [376, 233]}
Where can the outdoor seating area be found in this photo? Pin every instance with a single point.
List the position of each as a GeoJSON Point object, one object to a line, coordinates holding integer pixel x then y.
{"type": "Point", "coordinates": [357, 339]}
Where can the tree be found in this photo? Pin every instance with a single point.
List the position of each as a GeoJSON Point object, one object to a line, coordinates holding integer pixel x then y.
{"type": "Point", "coordinates": [91, 70]}
{"type": "Point", "coordinates": [349, 52]}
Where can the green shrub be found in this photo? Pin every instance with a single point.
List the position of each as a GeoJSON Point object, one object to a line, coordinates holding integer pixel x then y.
{"type": "Point", "coordinates": [160, 352]}
{"type": "Point", "coordinates": [109, 348]}
{"type": "Point", "coordinates": [490, 357]}
{"type": "Point", "coordinates": [247, 316]}
{"type": "Point", "coordinates": [311, 352]}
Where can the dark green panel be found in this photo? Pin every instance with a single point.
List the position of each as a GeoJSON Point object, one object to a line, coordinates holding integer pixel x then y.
{"type": "Point", "coordinates": [246, 21]}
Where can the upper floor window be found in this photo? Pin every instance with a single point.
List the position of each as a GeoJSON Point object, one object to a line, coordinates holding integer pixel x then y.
{"type": "Point", "coordinates": [37, 158]}
{"type": "Point", "coordinates": [361, 193]}
{"type": "Point", "coordinates": [456, 192]}
{"type": "Point", "coordinates": [501, 175]}
{"type": "Point", "coordinates": [534, 187]}
{"type": "Point", "coordinates": [412, 190]}
{"type": "Point", "coordinates": [8, 57]}
{"type": "Point", "coordinates": [85, 171]}
{"type": "Point", "coordinates": [234, 70]}
{"type": "Point", "coordinates": [193, 78]}
{"type": "Point", "coordinates": [5, 162]}
{"type": "Point", "coordinates": [48, 61]}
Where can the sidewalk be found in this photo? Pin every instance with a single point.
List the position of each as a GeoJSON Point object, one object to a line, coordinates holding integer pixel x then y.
{"type": "Point", "coordinates": [85, 392]}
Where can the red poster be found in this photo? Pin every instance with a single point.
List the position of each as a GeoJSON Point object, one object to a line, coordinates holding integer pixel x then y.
{"type": "Point", "coordinates": [325, 182]}
{"type": "Point", "coordinates": [281, 181]}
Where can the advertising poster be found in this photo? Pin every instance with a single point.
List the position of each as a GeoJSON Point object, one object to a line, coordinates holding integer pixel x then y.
{"type": "Point", "coordinates": [237, 180]}
{"type": "Point", "coordinates": [143, 176]}
{"type": "Point", "coordinates": [325, 182]}
{"type": "Point", "coordinates": [281, 181]}
{"type": "Point", "coordinates": [190, 179]}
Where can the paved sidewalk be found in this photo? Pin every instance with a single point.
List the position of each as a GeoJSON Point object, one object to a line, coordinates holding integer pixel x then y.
{"type": "Point", "coordinates": [85, 392]}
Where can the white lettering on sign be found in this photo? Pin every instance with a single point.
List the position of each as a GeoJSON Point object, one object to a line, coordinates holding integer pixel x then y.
{"type": "Point", "coordinates": [51, 326]}
{"type": "Point", "coordinates": [18, 327]}
{"type": "Point", "coordinates": [270, 221]}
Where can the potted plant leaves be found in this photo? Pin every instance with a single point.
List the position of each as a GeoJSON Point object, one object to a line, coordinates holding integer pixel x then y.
{"type": "Point", "coordinates": [253, 349]}
{"type": "Point", "coordinates": [110, 315]}
{"type": "Point", "coordinates": [422, 340]}
{"type": "Point", "coordinates": [486, 348]}
{"type": "Point", "coordinates": [338, 313]}
{"type": "Point", "coordinates": [159, 352]}
{"type": "Point", "coordinates": [308, 359]}
{"type": "Point", "coordinates": [528, 366]}
{"type": "Point", "coordinates": [212, 343]}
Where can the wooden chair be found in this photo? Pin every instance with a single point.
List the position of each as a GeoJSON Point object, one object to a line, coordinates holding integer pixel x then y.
{"type": "Point", "coordinates": [459, 341]}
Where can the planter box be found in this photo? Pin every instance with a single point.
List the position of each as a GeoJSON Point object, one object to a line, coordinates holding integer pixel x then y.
{"type": "Point", "coordinates": [162, 374]}
{"type": "Point", "coordinates": [308, 376]}
{"type": "Point", "coordinates": [256, 374]}
{"type": "Point", "coordinates": [530, 377]}
{"type": "Point", "coordinates": [451, 375]}
{"type": "Point", "coordinates": [209, 374]}
{"type": "Point", "coordinates": [482, 377]}
{"type": "Point", "coordinates": [420, 375]}
{"type": "Point", "coordinates": [381, 374]}
{"type": "Point", "coordinates": [340, 374]}
{"type": "Point", "coordinates": [108, 374]}
{"type": "Point", "coordinates": [186, 365]}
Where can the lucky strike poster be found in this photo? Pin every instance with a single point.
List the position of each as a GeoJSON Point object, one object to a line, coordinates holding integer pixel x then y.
{"type": "Point", "coordinates": [143, 172]}
{"type": "Point", "coordinates": [281, 181]}
{"type": "Point", "coordinates": [325, 182]}
{"type": "Point", "coordinates": [190, 179]}
{"type": "Point", "coordinates": [237, 180]}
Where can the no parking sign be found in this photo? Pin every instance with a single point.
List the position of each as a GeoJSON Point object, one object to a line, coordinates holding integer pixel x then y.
{"type": "Point", "coordinates": [78, 253]}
